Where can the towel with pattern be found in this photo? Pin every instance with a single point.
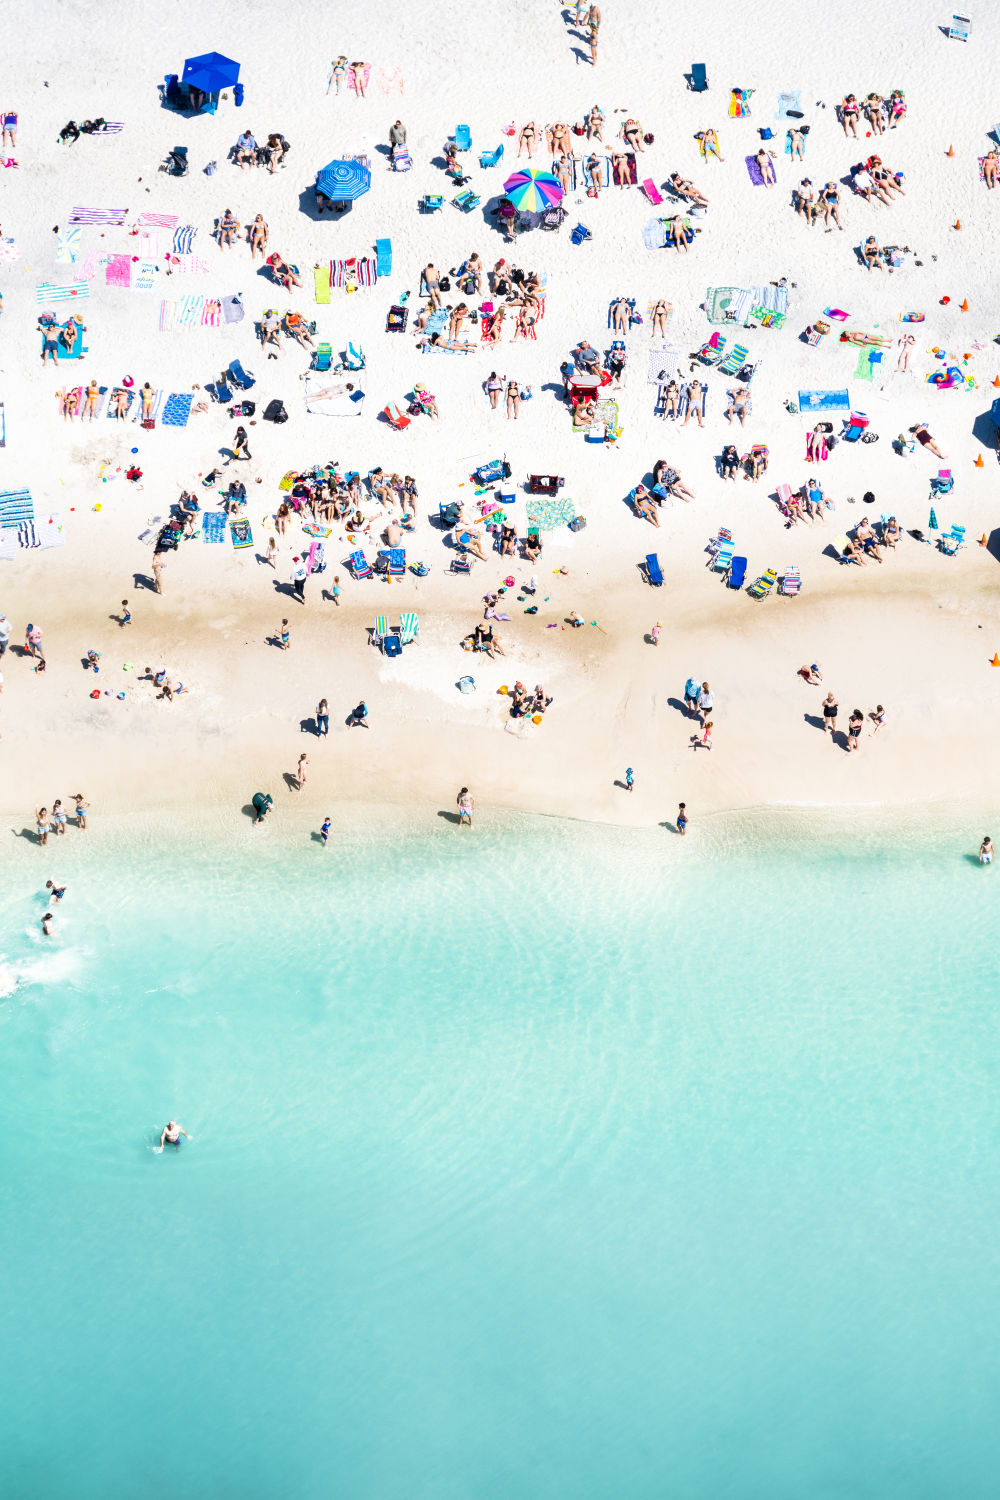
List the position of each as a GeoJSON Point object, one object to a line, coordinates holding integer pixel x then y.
{"type": "Point", "coordinates": [147, 274]}
{"type": "Point", "coordinates": [110, 127]}
{"type": "Point", "coordinates": [352, 82]}
{"type": "Point", "coordinates": [66, 291]}
{"type": "Point", "coordinates": [113, 404]}
{"type": "Point", "coordinates": [8, 249]}
{"type": "Point", "coordinates": [149, 245]}
{"type": "Point", "coordinates": [390, 80]}
{"type": "Point", "coordinates": [790, 105]}
{"type": "Point", "coordinates": [548, 514]}
{"type": "Point", "coordinates": [662, 365]}
{"type": "Point", "coordinates": [177, 409]}
{"type": "Point", "coordinates": [156, 221]}
{"type": "Point", "coordinates": [27, 536]}
{"type": "Point", "coordinates": [189, 311]}
{"type": "Point", "coordinates": [189, 265]}
{"type": "Point", "coordinates": [15, 506]}
{"type": "Point", "coordinates": [168, 315]}
{"type": "Point", "coordinates": [68, 247]}
{"type": "Point", "coordinates": [93, 262]}
{"type": "Point", "coordinates": [824, 401]}
{"type": "Point", "coordinates": [118, 271]}
{"type": "Point", "coordinates": [211, 315]}
{"type": "Point", "coordinates": [184, 239]}
{"type": "Point", "coordinates": [213, 526]}
{"type": "Point", "coordinates": [154, 411]}
{"type": "Point", "coordinates": [111, 216]}
{"type": "Point", "coordinates": [49, 532]}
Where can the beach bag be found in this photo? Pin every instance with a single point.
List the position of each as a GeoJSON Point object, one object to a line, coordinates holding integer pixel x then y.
{"type": "Point", "coordinates": [249, 407]}
{"type": "Point", "coordinates": [210, 170]}
{"type": "Point", "coordinates": [275, 412]}
{"type": "Point", "coordinates": [148, 423]}
{"type": "Point", "coordinates": [445, 283]}
{"type": "Point", "coordinates": [578, 523]}
{"type": "Point", "coordinates": [766, 134]}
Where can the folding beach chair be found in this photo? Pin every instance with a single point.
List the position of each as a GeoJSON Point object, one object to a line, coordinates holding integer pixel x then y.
{"type": "Point", "coordinates": [654, 573]}
{"type": "Point", "coordinates": [355, 359]}
{"type": "Point", "coordinates": [722, 561]}
{"type": "Point", "coordinates": [383, 257]}
{"type": "Point", "coordinates": [857, 422]}
{"type": "Point", "coordinates": [322, 357]}
{"type": "Point", "coordinates": [392, 646]}
{"type": "Point", "coordinates": [462, 138]}
{"type": "Point", "coordinates": [699, 78]}
{"type": "Point", "coordinates": [734, 360]}
{"type": "Point", "coordinates": [950, 541]}
{"type": "Point", "coordinates": [409, 628]}
{"type": "Point", "coordinates": [397, 561]}
{"type": "Point", "coordinates": [944, 482]}
{"type": "Point", "coordinates": [467, 201]}
{"type": "Point", "coordinates": [243, 378]}
{"type": "Point", "coordinates": [490, 158]}
{"type": "Point", "coordinates": [713, 351]}
{"type": "Point", "coordinates": [395, 417]}
{"type": "Point", "coordinates": [462, 564]}
{"type": "Point", "coordinates": [401, 159]}
{"type": "Point", "coordinates": [431, 202]}
{"type": "Point", "coordinates": [580, 234]}
{"type": "Point", "coordinates": [359, 565]}
{"type": "Point", "coordinates": [763, 585]}
{"type": "Point", "coordinates": [381, 631]}
{"type": "Point", "coordinates": [651, 190]}
{"type": "Point", "coordinates": [840, 543]}
{"type": "Point", "coordinates": [221, 390]}
{"type": "Point", "coordinates": [723, 539]}
{"type": "Point", "coordinates": [737, 573]}
{"type": "Point", "coordinates": [791, 583]}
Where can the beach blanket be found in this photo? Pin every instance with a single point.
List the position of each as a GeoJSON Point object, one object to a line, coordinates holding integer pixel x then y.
{"type": "Point", "coordinates": [112, 413]}
{"type": "Point", "coordinates": [548, 514]}
{"type": "Point", "coordinates": [320, 401]}
{"type": "Point", "coordinates": [168, 314]}
{"type": "Point", "coordinates": [27, 536]}
{"type": "Point", "coordinates": [189, 311]}
{"type": "Point", "coordinates": [149, 244]}
{"type": "Point", "coordinates": [49, 532]}
{"type": "Point", "coordinates": [685, 402]}
{"type": "Point", "coordinates": [189, 265]}
{"type": "Point", "coordinates": [177, 409]}
{"type": "Point", "coordinates": [8, 546]}
{"type": "Point", "coordinates": [864, 370]}
{"type": "Point", "coordinates": [118, 271]}
{"type": "Point", "coordinates": [753, 171]}
{"type": "Point", "coordinates": [352, 83]}
{"type": "Point", "coordinates": [110, 127]}
{"type": "Point", "coordinates": [390, 80]}
{"type": "Point", "coordinates": [772, 299]}
{"type": "Point", "coordinates": [211, 314]}
{"type": "Point", "coordinates": [68, 246]}
{"type": "Point", "coordinates": [154, 411]}
{"type": "Point", "coordinates": [662, 365]}
{"type": "Point", "coordinates": [824, 401]}
{"type": "Point", "coordinates": [156, 221]}
{"type": "Point", "coordinates": [788, 143]}
{"type": "Point", "coordinates": [240, 532]}
{"type": "Point", "coordinates": [93, 261]}
{"type": "Point", "coordinates": [213, 526]}
{"type": "Point", "coordinates": [8, 249]}
{"type": "Point", "coordinates": [311, 529]}
{"type": "Point", "coordinates": [790, 105]}
{"type": "Point", "coordinates": [145, 275]}
{"type": "Point", "coordinates": [717, 303]}
{"type": "Point", "coordinates": [102, 216]}
{"type": "Point", "coordinates": [66, 291]}
{"type": "Point", "coordinates": [321, 281]}
{"type": "Point", "coordinates": [15, 506]}
{"type": "Point", "coordinates": [232, 308]}
{"type": "Point", "coordinates": [184, 239]}
{"type": "Point", "coordinates": [654, 234]}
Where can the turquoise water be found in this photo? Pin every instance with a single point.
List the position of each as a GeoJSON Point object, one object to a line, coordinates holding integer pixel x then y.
{"type": "Point", "coordinates": [550, 1161]}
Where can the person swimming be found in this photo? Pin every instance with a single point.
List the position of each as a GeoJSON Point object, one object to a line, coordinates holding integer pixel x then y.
{"type": "Point", "coordinates": [171, 1134]}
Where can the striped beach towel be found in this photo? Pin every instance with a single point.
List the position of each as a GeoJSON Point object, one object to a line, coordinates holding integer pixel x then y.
{"type": "Point", "coordinates": [149, 245]}
{"type": "Point", "coordinates": [184, 239]}
{"type": "Point", "coordinates": [68, 247]}
{"type": "Point", "coordinates": [189, 311]}
{"type": "Point", "coordinates": [211, 315]}
{"type": "Point", "coordinates": [156, 221]}
{"type": "Point", "coordinates": [49, 532]}
{"type": "Point", "coordinates": [147, 274]}
{"type": "Point", "coordinates": [367, 273]}
{"type": "Point", "coordinates": [158, 399]}
{"type": "Point", "coordinates": [15, 506]}
{"type": "Point", "coordinates": [119, 270]}
{"type": "Point", "coordinates": [98, 215]}
{"type": "Point", "coordinates": [65, 291]}
{"type": "Point", "coordinates": [177, 409]}
{"type": "Point", "coordinates": [110, 127]}
{"type": "Point", "coordinates": [27, 536]}
{"type": "Point", "coordinates": [168, 314]}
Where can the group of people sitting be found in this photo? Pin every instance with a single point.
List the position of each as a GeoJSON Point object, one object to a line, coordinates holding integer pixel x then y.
{"type": "Point", "coordinates": [868, 541]}
{"type": "Point", "coordinates": [805, 504]}
{"type": "Point", "coordinates": [326, 494]}
{"type": "Point", "coordinates": [872, 179]}
{"type": "Point", "coordinates": [271, 154]}
{"type": "Point", "coordinates": [878, 112]}
{"type": "Point", "coordinates": [291, 323]}
{"type": "Point", "coordinates": [753, 464]}
{"type": "Point", "coordinates": [667, 486]}
{"type": "Point", "coordinates": [71, 133]}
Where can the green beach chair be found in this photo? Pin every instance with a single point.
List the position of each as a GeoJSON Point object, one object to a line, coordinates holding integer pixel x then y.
{"type": "Point", "coordinates": [381, 631]}
{"type": "Point", "coordinates": [409, 628]}
{"type": "Point", "coordinates": [734, 360]}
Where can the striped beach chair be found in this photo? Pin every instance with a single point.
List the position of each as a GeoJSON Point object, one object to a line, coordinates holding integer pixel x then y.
{"type": "Point", "coordinates": [734, 360]}
{"type": "Point", "coordinates": [359, 565]}
{"type": "Point", "coordinates": [791, 582]}
{"type": "Point", "coordinates": [380, 632]}
{"type": "Point", "coordinates": [950, 541]}
{"type": "Point", "coordinates": [722, 561]}
{"type": "Point", "coordinates": [409, 628]}
{"type": "Point", "coordinates": [763, 585]}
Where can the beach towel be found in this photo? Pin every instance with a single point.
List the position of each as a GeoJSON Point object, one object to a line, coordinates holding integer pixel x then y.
{"type": "Point", "coordinates": [321, 281]}
{"type": "Point", "coordinates": [367, 271]}
{"type": "Point", "coordinates": [68, 246]}
{"type": "Point", "coordinates": [156, 221]}
{"type": "Point", "coordinates": [154, 411]}
{"type": "Point", "coordinates": [8, 546]}
{"type": "Point", "coordinates": [790, 105]}
{"type": "Point", "coordinates": [145, 275]}
{"type": "Point", "coordinates": [232, 308]}
{"type": "Point", "coordinates": [864, 369]}
{"type": "Point", "coordinates": [27, 536]}
{"type": "Point", "coordinates": [390, 80]}
{"type": "Point", "coordinates": [717, 303]}
{"type": "Point", "coordinates": [366, 69]}
{"type": "Point", "coordinates": [177, 409]}
{"type": "Point", "coordinates": [188, 265]}
{"type": "Point", "coordinates": [149, 245]}
{"type": "Point", "coordinates": [49, 532]}
{"type": "Point", "coordinates": [8, 249]}
{"type": "Point", "coordinates": [753, 171]}
{"type": "Point", "coordinates": [654, 234]}
{"type": "Point", "coordinates": [184, 239]}
{"type": "Point", "coordinates": [211, 313]}
{"type": "Point", "coordinates": [739, 103]}
{"type": "Point", "coordinates": [240, 532]}
{"type": "Point", "coordinates": [548, 514]}
{"type": "Point", "coordinates": [320, 403]}
{"type": "Point", "coordinates": [15, 506]}
{"type": "Point", "coordinates": [213, 526]}
{"type": "Point", "coordinates": [788, 143]}
{"type": "Point", "coordinates": [824, 401]}
{"type": "Point", "coordinates": [684, 403]}
{"type": "Point", "coordinates": [93, 261]}
{"type": "Point", "coordinates": [130, 398]}
{"type": "Point", "coordinates": [119, 270]}
{"type": "Point", "coordinates": [98, 216]}
{"type": "Point", "coordinates": [662, 365]}
{"type": "Point", "coordinates": [67, 291]}
{"type": "Point", "coordinates": [168, 314]}
{"type": "Point", "coordinates": [189, 311]}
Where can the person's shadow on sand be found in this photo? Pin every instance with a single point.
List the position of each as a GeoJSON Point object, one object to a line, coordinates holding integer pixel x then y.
{"type": "Point", "coordinates": [291, 780]}
{"type": "Point", "coordinates": [309, 726]}
{"type": "Point", "coordinates": [676, 703]}
{"type": "Point", "coordinates": [449, 817]}
{"type": "Point", "coordinates": [814, 720]}
{"type": "Point", "coordinates": [143, 581]}
{"type": "Point", "coordinates": [26, 833]}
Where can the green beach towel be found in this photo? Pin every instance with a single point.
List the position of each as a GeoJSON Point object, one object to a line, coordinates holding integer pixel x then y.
{"type": "Point", "coordinates": [321, 277]}
{"type": "Point", "coordinates": [865, 370]}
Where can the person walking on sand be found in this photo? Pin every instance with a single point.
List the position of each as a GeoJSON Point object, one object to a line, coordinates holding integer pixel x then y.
{"type": "Point", "coordinates": [706, 701]}
{"type": "Point", "coordinates": [682, 818]}
{"type": "Point", "coordinates": [159, 563]}
{"type": "Point", "coordinates": [692, 692]}
{"type": "Point", "coordinates": [125, 618]}
{"type": "Point", "coordinates": [830, 707]}
{"type": "Point", "coordinates": [322, 718]}
{"type": "Point", "coordinates": [706, 738]}
{"type": "Point", "coordinates": [298, 576]}
{"type": "Point", "coordinates": [302, 771]}
{"type": "Point", "coordinates": [33, 640]}
{"type": "Point", "coordinates": [629, 778]}
{"type": "Point", "coordinates": [466, 807]}
{"type": "Point", "coordinates": [655, 633]}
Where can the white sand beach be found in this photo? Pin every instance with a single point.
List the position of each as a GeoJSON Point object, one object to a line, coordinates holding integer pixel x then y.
{"type": "Point", "coordinates": [915, 632]}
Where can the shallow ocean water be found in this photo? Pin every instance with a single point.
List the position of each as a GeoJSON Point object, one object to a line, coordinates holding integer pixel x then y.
{"type": "Point", "coordinates": [547, 1160]}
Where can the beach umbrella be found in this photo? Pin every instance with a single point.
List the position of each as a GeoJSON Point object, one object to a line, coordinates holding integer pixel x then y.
{"type": "Point", "coordinates": [210, 72]}
{"type": "Point", "coordinates": [932, 524]}
{"type": "Point", "coordinates": [343, 181]}
{"type": "Point", "coordinates": [532, 191]}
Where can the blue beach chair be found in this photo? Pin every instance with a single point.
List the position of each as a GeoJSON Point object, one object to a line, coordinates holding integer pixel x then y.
{"type": "Point", "coordinates": [580, 234]}
{"type": "Point", "coordinates": [322, 357]}
{"type": "Point", "coordinates": [490, 158]}
{"type": "Point", "coordinates": [243, 378]}
{"type": "Point", "coordinates": [355, 358]}
{"type": "Point", "coordinates": [359, 565]}
{"type": "Point", "coordinates": [431, 202]}
{"type": "Point", "coordinates": [699, 78]}
{"type": "Point", "coordinates": [654, 573]}
{"type": "Point", "coordinates": [463, 138]}
{"type": "Point", "coordinates": [737, 573]}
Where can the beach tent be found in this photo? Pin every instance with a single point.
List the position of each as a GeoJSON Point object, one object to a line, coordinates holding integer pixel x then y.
{"type": "Point", "coordinates": [210, 72]}
{"type": "Point", "coordinates": [343, 181]}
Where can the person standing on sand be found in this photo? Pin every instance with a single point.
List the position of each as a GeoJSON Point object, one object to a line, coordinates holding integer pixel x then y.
{"type": "Point", "coordinates": [854, 724]}
{"type": "Point", "coordinates": [302, 771]}
{"type": "Point", "coordinates": [629, 778]}
{"type": "Point", "coordinates": [159, 563]}
{"type": "Point", "coordinates": [299, 575]}
{"type": "Point", "coordinates": [830, 706]}
{"type": "Point", "coordinates": [682, 818]}
{"type": "Point", "coordinates": [466, 807]}
{"type": "Point", "coordinates": [5, 628]}
{"type": "Point", "coordinates": [322, 718]}
{"type": "Point", "coordinates": [692, 692]}
{"type": "Point", "coordinates": [655, 633]}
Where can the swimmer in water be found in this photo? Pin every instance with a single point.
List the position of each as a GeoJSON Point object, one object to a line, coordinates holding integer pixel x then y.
{"type": "Point", "coordinates": [171, 1134]}
{"type": "Point", "coordinates": [986, 851]}
{"type": "Point", "coordinates": [56, 892]}
{"type": "Point", "coordinates": [48, 923]}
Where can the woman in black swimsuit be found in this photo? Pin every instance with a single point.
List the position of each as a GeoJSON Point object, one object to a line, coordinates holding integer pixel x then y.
{"type": "Point", "coordinates": [830, 706]}
{"type": "Point", "coordinates": [854, 724]}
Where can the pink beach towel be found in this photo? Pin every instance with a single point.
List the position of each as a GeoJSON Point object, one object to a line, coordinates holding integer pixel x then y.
{"type": "Point", "coordinates": [390, 80]}
{"type": "Point", "coordinates": [156, 221]}
{"type": "Point", "coordinates": [824, 452]}
{"type": "Point", "coordinates": [365, 75]}
{"type": "Point", "coordinates": [119, 270]}
{"type": "Point", "coordinates": [212, 315]}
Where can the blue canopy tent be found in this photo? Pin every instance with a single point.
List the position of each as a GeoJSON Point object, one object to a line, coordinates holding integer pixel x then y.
{"type": "Point", "coordinates": [203, 80]}
{"type": "Point", "coordinates": [343, 181]}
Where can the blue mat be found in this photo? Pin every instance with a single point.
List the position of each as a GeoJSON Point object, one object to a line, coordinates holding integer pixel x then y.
{"type": "Point", "coordinates": [213, 526]}
{"type": "Point", "coordinates": [177, 410]}
{"type": "Point", "coordinates": [787, 102]}
{"type": "Point", "coordinates": [824, 401]}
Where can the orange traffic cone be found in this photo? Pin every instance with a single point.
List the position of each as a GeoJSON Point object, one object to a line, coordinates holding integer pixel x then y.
{"type": "Point", "coordinates": [977, 463]}
{"type": "Point", "coordinates": [996, 660]}
{"type": "Point", "coordinates": [958, 223]}
{"type": "Point", "coordinates": [984, 540]}
{"type": "Point", "coordinates": [964, 305]}
{"type": "Point", "coordinates": [996, 380]}
{"type": "Point", "coordinates": [950, 151]}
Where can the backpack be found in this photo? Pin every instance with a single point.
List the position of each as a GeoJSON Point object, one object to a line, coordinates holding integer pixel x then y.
{"type": "Point", "coordinates": [275, 412]}
{"type": "Point", "coordinates": [249, 407]}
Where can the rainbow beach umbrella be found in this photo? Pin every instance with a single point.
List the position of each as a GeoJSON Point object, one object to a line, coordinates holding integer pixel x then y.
{"type": "Point", "coordinates": [532, 192]}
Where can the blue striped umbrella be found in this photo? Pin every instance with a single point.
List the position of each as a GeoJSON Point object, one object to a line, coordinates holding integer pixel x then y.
{"type": "Point", "coordinates": [343, 181]}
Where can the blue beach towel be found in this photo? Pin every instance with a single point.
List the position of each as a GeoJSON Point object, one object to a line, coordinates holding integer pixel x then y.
{"type": "Point", "coordinates": [824, 401]}
{"type": "Point", "coordinates": [213, 526]}
{"type": "Point", "coordinates": [787, 103]}
{"type": "Point", "coordinates": [184, 239]}
{"type": "Point", "coordinates": [15, 506]}
{"type": "Point", "coordinates": [177, 410]}
{"type": "Point", "coordinates": [654, 234]}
